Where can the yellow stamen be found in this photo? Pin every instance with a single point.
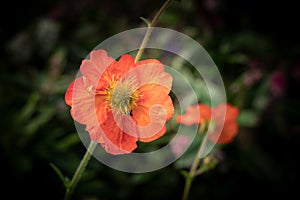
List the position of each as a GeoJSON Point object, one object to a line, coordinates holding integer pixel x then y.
{"type": "Point", "coordinates": [122, 96]}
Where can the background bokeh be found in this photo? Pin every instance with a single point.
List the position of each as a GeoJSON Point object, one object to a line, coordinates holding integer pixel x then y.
{"type": "Point", "coordinates": [255, 44]}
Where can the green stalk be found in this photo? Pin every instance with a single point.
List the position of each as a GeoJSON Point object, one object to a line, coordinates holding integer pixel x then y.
{"type": "Point", "coordinates": [80, 170]}
{"type": "Point", "coordinates": [193, 170]}
{"type": "Point", "coordinates": [149, 30]}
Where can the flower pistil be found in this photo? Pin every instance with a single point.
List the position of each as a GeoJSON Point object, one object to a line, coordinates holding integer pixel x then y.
{"type": "Point", "coordinates": [122, 96]}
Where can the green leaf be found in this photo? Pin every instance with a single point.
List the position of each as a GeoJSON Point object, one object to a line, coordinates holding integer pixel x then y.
{"type": "Point", "coordinates": [147, 21]}
{"type": "Point", "coordinates": [44, 116]}
{"type": "Point", "coordinates": [67, 142]}
{"type": "Point", "coordinates": [30, 106]}
{"type": "Point", "coordinates": [65, 180]}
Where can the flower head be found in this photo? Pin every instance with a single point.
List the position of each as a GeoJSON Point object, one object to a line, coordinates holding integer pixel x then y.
{"type": "Point", "coordinates": [202, 114]}
{"type": "Point", "coordinates": [121, 102]}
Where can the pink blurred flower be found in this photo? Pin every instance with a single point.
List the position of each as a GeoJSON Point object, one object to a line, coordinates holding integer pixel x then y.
{"type": "Point", "coordinates": [179, 145]}
{"type": "Point", "coordinates": [277, 83]}
{"type": "Point", "coordinates": [252, 76]}
{"type": "Point", "coordinates": [254, 73]}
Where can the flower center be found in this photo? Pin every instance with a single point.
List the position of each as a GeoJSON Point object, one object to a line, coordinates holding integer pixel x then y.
{"type": "Point", "coordinates": [122, 96]}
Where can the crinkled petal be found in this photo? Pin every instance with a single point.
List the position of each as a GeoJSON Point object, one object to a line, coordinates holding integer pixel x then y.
{"type": "Point", "coordinates": [92, 69]}
{"type": "Point", "coordinates": [101, 108]}
{"type": "Point", "coordinates": [115, 137]}
{"type": "Point", "coordinates": [155, 136]}
{"type": "Point", "coordinates": [115, 71]}
{"type": "Point", "coordinates": [96, 134]}
{"type": "Point", "coordinates": [125, 63]}
{"type": "Point", "coordinates": [154, 107]}
{"type": "Point", "coordinates": [150, 71]}
{"type": "Point", "coordinates": [82, 101]}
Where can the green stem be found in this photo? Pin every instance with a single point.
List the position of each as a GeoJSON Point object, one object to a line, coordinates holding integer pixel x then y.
{"type": "Point", "coordinates": [149, 30]}
{"type": "Point", "coordinates": [80, 170]}
{"type": "Point", "coordinates": [187, 187]}
{"type": "Point", "coordinates": [193, 170]}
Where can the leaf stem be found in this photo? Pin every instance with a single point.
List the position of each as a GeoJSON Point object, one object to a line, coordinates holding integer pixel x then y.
{"type": "Point", "coordinates": [80, 170]}
{"type": "Point", "coordinates": [149, 30]}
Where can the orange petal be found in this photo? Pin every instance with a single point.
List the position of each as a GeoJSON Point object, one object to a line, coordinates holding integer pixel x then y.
{"type": "Point", "coordinates": [115, 71]}
{"type": "Point", "coordinates": [150, 62]}
{"type": "Point", "coordinates": [156, 136]}
{"type": "Point", "coordinates": [125, 63]}
{"type": "Point", "coordinates": [153, 94]}
{"type": "Point", "coordinates": [69, 94]}
{"type": "Point", "coordinates": [83, 103]}
{"type": "Point", "coordinates": [96, 134]}
{"type": "Point", "coordinates": [115, 138]}
{"type": "Point", "coordinates": [195, 115]}
{"type": "Point", "coordinates": [101, 58]}
{"type": "Point", "coordinates": [92, 69]}
{"type": "Point", "coordinates": [227, 135]}
{"type": "Point", "coordinates": [205, 112]}
{"type": "Point", "coordinates": [232, 112]}
{"type": "Point", "coordinates": [101, 108]}
{"type": "Point", "coordinates": [188, 119]}
{"type": "Point", "coordinates": [154, 107]}
{"type": "Point", "coordinates": [151, 72]}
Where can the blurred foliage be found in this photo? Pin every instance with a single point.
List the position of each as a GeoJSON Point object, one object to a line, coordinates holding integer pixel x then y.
{"type": "Point", "coordinates": [255, 45]}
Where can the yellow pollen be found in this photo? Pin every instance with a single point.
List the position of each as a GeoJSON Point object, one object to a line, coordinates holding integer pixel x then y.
{"type": "Point", "coordinates": [122, 96]}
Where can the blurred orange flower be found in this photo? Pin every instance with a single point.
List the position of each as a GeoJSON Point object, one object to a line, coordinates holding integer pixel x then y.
{"type": "Point", "coordinates": [202, 114]}
{"type": "Point", "coordinates": [121, 102]}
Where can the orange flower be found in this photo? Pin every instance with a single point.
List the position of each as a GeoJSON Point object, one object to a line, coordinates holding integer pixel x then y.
{"type": "Point", "coordinates": [201, 114]}
{"type": "Point", "coordinates": [121, 102]}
